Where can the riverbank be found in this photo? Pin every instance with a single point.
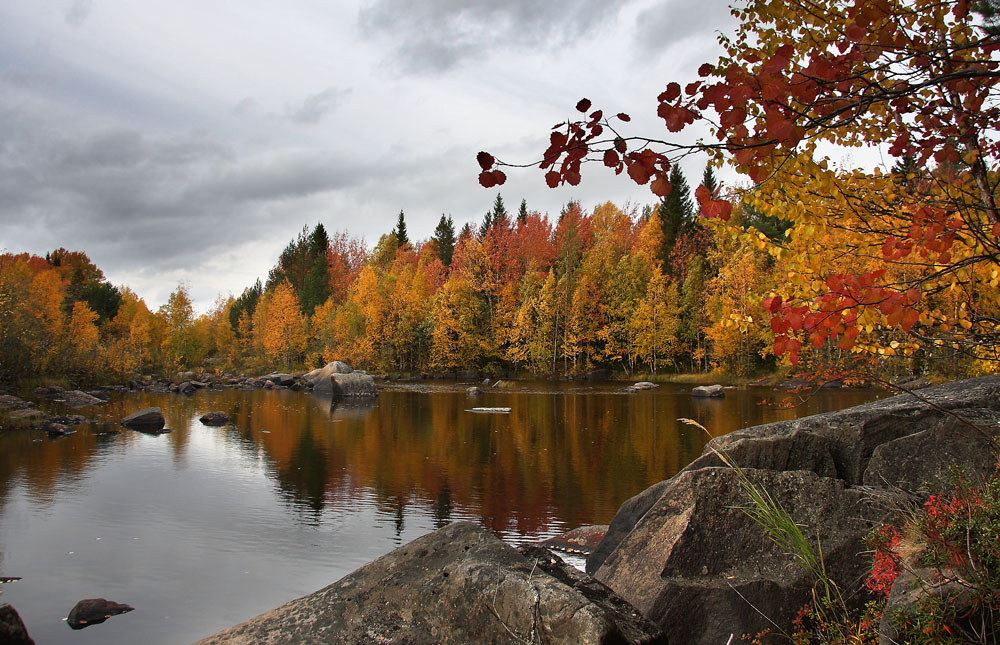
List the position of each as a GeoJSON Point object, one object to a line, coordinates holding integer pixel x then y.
{"type": "Point", "coordinates": [684, 554]}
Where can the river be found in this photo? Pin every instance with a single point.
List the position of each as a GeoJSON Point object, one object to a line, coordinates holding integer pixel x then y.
{"type": "Point", "coordinates": [204, 527]}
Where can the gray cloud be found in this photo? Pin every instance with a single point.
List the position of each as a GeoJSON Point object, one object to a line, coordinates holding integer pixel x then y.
{"type": "Point", "coordinates": [667, 24]}
{"type": "Point", "coordinates": [316, 106]}
{"type": "Point", "coordinates": [436, 35]}
{"type": "Point", "coordinates": [79, 12]}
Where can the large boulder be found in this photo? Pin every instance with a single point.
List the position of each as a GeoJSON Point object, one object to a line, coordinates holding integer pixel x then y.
{"type": "Point", "coordinates": [460, 584]}
{"type": "Point", "coordinates": [322, 373]}
{"type": "Point", "coordinates": [147, 419]}
{"type": "Point", "coordinates": [11, 402]}
{"type": "Point", "coordinates": [214, 418]}
{"type": "Point", "coordinates": [79, 399]}
{"type": "Point", "coordinates": [12, 629]}
{"type": "Point", "coordinates": [708, 391]}
{"type": "Point", "coordinates": [856, 432]}
{"type": "Point", "coordinates": [925, 457]}
{"type": "Point", "coordinates": [280, 378]}
{"type": "Point", "coordinates": [700, 568]}
{"type": "Point", "coordinates": [800, 450]}
{"type": "Point", "coordinates": [354, 384]}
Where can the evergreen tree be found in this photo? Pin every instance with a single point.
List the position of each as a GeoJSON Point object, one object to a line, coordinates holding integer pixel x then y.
{"type": "Point", "coordinates": [676, 213]}
{"type": "Point", "coordinates": [402, 239]}
{"type": "Point", "coordinates": [444, 239]}
{"type": "Point", "coordinates": [316, 285]}
{"type": "Point", "coordinates": [245, 303]}
{"type": "Point", "coordinates": [709, 181]}
{"type": "Point", "coordinates": [484, 228]}
{"type": "Point", "coordinates": [522, 212]}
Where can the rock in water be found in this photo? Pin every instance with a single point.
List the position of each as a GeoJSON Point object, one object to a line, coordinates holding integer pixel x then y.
{"type": "Point", "coordinates": [353, 384]}
{"type": "Point", "coordinates": [334, 367]}
{"type": "Point", "coordinates": [12, 629]}
{"type": "Point", "coordinates": [93, 611]}
{"type": "Point", "coordinates": [214, 418]}
{"type": "Point", "coordinates": [148, 419]}
{"type": "Point", "coordinates": [473, 391]}
{"type": "Point", "coordinates": [460, 584]}
{"type": "Point", "coordinates": [704, 391]}
{"type": "Point", "coordinates": [78, 399]}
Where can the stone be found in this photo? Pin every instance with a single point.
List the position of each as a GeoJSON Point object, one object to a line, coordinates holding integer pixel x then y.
{"type": "Point", "coordinates": [56, 429]}
{"type": "Point", "coordinates": [700, 568]}
{"type": "Point", "coordinates": [280, 378]}
{"type": "Point", "coordinates": [712, 391]}
{"type": "Point", "coordinates": [353, 384]}
{"type": "Point", "coordinates": [69, 419]}
{"type": "Point", "coordinates": [459, 584]}
{"type": "Point", "coordinates": [214, 418]}
{"type": "Point", "coordinates": [11, 402]}
{"type": "Point", "coordinates": [12, 629]}
{"type": "Point", "coordinates": [855, 433]}
{"type": "Point", "coordinates": [186, 387]}
{"type": "Point", "coordinates": [795, 384]}
{"type": "Point", "coordinates": [800, 450]}
{"type": "Point", "coordinates": [146, 419]}
{"type": "Point", "coordinates": [27, 414]}
{"type": "Point", "coordinates": [924, 458]}
{"type": "Point", "coordinates": [582, 540]}
{"type": "Point", "coordinates": [331, 368]}
{"type": "Point", "coordinates": [473, 391]}
{"type": "Point", "coordinates": [94, 611]}
{"type": "Point", "coordinates": [645, 385]}
{"type": "Point", "coordinates": [78, 399]}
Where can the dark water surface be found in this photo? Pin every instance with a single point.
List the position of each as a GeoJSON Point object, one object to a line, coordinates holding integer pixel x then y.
{"type": "Point", "coordinates": [205, 527]}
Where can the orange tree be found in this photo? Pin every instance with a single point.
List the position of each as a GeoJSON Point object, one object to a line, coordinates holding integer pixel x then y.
{"type": "Point", "coordinates": [901, 262]}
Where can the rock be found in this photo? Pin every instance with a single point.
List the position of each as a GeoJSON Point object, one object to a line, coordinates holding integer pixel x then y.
{"type": "Point", "coordinates": [918, 587]}
{"type": "Point", "coordinates": [214, 418]}
{"type": "Point", "coordinates": [94, 611]}
{"type": "Point", "coordinates": [645, 385]}
{"type": "Point", "coordinates": [146, 420]}
{"type": "Point", "coordinates": [459, 584]}
{"type": "Point", "coordinates": [48, 391]}
{"type": "Point", "coordinates": [473, 391]}
{"type": "Point", "coordinates": [78, 399]}
{"type": "Point", "coordinates": [27, 414]}
{"type": "Point", "coordinates": [701, 569]}
{"type": "Point", "coordinates": [11, 402]}
{"type": "Point", "coordinates": [486, 381]}
{"type": "Point", "coordinates": [56, 429]}
{"type": "Point", "coordinates": [69, 419]}
{"type": "Point", "coordinates": [854, 433]}
{"type": "Point", "coordinates": [12, 629]}
{"type": "Point", "coordinates": [186, 387]}
{"type": "Point", "coordinates": [334, 367]}
{"type": "Point", "coordinates": [280, 378]}
{"type": "Point", "coordinates": [923, 458]}
{"type": "Point", "coordinates": [713, 391]}
{"type": "Point", "coordinates": [795, 384]}
{"type": "Point", "coordinates": [800, 450]}
{"type": "Point", "coordinates": [629, 513]}
{"type": "Point", "coordinates": [346, 385]}
{"type": "Point", "coordinates": [581, 540]}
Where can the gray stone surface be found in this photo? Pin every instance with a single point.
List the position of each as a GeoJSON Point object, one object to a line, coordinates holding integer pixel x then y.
{"type": "Point", "coordinates": [214, 418]}
{"type": "Point", "coordinates": [926, 457]}
{"type": "Point", "coordinates": [333, 367]}
{"type": "Point", "coordinates": [78, 399]}
{"type": "Point", "coordinates": [708, 391]}
{"type": "Point", "coordinates": [11, 402]}
{"type": "Point", "coordinates": [854, 433]}
{"type": "Point", "coordinates": [701, 569]}
{"type": "Point", "coordinates": [460, 584]}
{"type": "Point", "coordinates": [800, 450]}
{"type": "Point", "coordinates": [354, 384]}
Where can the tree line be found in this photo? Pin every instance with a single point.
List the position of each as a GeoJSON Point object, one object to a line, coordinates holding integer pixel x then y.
{"type": "Point", "coordinates": [649, 290]}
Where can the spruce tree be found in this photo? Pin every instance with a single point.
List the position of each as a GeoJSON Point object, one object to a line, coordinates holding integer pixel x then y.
{"type": "Point", "coordinates": [402, 238]}
{"type": "Point", "coordinates": [444, 239]}
{"type": "Point", "coordinates": [522, 213]}
{"type": "Point", "coordinates": [709, 181]}
{"type": "Point", "coordinates": [676, 214]}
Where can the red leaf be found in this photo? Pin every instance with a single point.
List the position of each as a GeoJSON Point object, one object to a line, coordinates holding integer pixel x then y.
{"type": "Point", "coordinates": [551, 178]}
{"type": "Point", "coordinates": [706, 69]}
{"type": "Point", "coordinates": [624, 117]}
{"type": "Point", "coordinates": [583, 105]}
{"type": "Point", "coordinates": [499, 177]}
{"type": "Point", "coordinates": [485, 160]}
{"type": "Point", "coordinates": [487, 180]}
{"type": "Point", "coordinates": [661, 186]}
{"type": "Point", "coordinates": [611, 159]}
{"type": "Point", "coordinates": [620, 145]}
{"type": "Point", "coordinates": [772, 304]}
{"type": "Point", "coordinates": [672, 92]}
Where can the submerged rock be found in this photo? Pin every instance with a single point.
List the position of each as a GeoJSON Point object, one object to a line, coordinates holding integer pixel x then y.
{"type": "Point", "coordinates": [459, 584]}
{"type": "Point", "coordinates": [94, 611]}
{"type": "Point", "coordinates": [78, 399]}
{"type": "Point", "coordinates": [473, 391]}
{"type": "Point", "coordinates": [214, 418]}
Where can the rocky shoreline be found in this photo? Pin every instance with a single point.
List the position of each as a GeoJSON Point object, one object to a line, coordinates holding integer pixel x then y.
{"type": "Point", "coordinates": [682, 553]}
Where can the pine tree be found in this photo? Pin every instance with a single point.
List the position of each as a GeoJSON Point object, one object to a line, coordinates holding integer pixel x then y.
{"type": "Point", "coordinates": [400, 232]}
{"type": "Point", "coordinates": [709, 181]}
{"type": "Point", "coordinates": [444, 238]}
{"type": "Point", "coordinates": [522, 212]}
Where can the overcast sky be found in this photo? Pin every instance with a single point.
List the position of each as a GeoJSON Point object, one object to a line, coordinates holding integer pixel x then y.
{"type": "Point", "coordinates": [192, 139]}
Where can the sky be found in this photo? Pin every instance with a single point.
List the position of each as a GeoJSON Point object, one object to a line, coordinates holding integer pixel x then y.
{"type": "Point", "coordinates": [191, 140]}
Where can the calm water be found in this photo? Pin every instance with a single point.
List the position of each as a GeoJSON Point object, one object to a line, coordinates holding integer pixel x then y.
{"type": "Point", "coordinates": [205, 527]}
